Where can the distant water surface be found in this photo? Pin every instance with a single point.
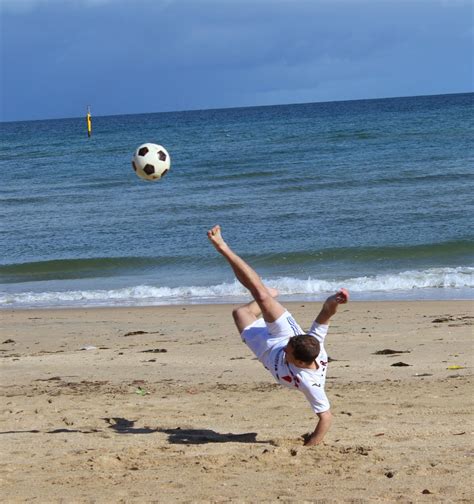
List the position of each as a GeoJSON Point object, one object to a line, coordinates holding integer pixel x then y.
{"type": "Point", "coordinates": [374, 195]}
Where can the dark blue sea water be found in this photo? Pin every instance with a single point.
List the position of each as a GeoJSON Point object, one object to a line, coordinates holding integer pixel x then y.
{"type": "Point", "coordinates": [374, 195]}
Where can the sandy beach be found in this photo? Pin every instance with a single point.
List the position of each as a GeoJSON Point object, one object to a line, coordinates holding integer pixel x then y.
{"type": "Point", "coordinates": [167, 405]}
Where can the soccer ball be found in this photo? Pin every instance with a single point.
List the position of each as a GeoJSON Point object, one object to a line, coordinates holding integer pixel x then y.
{"type": "Point", "coordinates": [151, 161]}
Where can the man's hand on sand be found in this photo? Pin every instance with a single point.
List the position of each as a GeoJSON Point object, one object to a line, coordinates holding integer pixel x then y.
{"type": "Point", "coordinates": [309, 439]}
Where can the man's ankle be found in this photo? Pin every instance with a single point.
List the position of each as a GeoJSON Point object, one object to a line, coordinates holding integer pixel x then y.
{"type": "Point", "coordinates": [222, 248]}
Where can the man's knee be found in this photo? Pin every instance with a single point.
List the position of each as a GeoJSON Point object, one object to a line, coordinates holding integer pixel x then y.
{"type": "Point", "coordinates": [242, 312]}
{"type": "Point", "coordinates": [261, 295]}
{"type": "Point", "coordinates": [237, 313]}
{"type": "Point", "coordinates": [243, 317]}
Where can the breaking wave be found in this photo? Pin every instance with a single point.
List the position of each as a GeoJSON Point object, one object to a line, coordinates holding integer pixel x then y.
{"type": "Point", "coordinates": [385, 286]}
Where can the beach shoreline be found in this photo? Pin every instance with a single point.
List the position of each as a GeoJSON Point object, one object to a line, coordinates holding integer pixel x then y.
{"type": "Point", "coordinates": [166, 404]}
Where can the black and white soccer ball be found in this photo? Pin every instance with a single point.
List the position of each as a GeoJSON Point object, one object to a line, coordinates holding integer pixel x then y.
{"type": "Point", "coordinates": [151, 161]}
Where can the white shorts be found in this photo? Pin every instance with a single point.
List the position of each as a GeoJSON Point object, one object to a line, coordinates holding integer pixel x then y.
{"type": "Point", "coordinates": [261, 336]}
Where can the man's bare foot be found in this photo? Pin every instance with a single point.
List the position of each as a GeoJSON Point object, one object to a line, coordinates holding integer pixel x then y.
{"type": "Point", "coordinates": [342, 296]}
{"type": "Point", "coordinates": [216, 239]}
{"type": "Point", "coordinates": [331, 304]}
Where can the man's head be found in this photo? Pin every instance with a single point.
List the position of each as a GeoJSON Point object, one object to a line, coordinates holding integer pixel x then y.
{"type": "Point", "coordinates": [302, 349]}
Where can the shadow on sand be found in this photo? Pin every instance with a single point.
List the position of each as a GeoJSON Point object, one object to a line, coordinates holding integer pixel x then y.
{"type": "Point", "coordinates": [175, 436]}
{"type": "Point", "coordinates": [200, 436]}
{"type": "Point", "coordinates": [124, 426]}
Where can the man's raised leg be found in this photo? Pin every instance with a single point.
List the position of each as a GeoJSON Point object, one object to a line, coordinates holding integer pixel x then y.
{"type": "Point", "coordinates": [270, 308]}
{"type": "Point", "coordinates": [248, 313]}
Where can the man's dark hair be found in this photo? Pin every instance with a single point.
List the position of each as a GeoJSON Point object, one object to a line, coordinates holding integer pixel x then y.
{"type": "Point", "coordinates": [305, 348]}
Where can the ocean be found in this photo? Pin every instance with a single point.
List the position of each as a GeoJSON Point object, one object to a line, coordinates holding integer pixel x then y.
{"type": "Point", "coordinates": [372, 195]}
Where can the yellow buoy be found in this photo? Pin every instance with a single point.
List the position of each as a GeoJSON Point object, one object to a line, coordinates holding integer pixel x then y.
{"type": "Point", "coordinates": [89, 122]}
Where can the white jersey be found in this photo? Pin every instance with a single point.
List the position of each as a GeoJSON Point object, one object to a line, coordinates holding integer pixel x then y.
{"type": "Point", "coordinates": [268, 341]}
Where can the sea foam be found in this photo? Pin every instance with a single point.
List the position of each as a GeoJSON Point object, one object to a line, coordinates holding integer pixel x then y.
{"type": "Point", "coordinates": [387, 286]}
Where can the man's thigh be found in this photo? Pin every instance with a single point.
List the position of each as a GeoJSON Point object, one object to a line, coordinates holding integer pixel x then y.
{"type": "Point", "coordinates": [272, 310]}
{"type": "Point", "coordinates": [256, 337]}
{"type": "Point", "coordinates": [261, 336]}
{"type": "Point", "coordinates": [243, 317]}
{"type": "Point", "coordinates": [285, 326]}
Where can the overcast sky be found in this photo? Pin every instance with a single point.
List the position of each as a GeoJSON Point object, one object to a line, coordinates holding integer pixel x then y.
{"type": "Point", "coordinates": [132, 56]}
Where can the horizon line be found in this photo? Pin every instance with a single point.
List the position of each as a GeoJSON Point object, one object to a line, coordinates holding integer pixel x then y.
{"type": "Point", "coordinates": [235, 107]}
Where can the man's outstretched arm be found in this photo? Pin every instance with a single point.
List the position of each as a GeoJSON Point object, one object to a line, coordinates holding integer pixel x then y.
{"type": "Point", "coordinates": [328, 310]}
{"type": "Point", "coordinates": [324, 422]}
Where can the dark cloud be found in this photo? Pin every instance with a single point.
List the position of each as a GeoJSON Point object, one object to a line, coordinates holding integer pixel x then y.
{"type": "Point", "coordinates": [145, 56]}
